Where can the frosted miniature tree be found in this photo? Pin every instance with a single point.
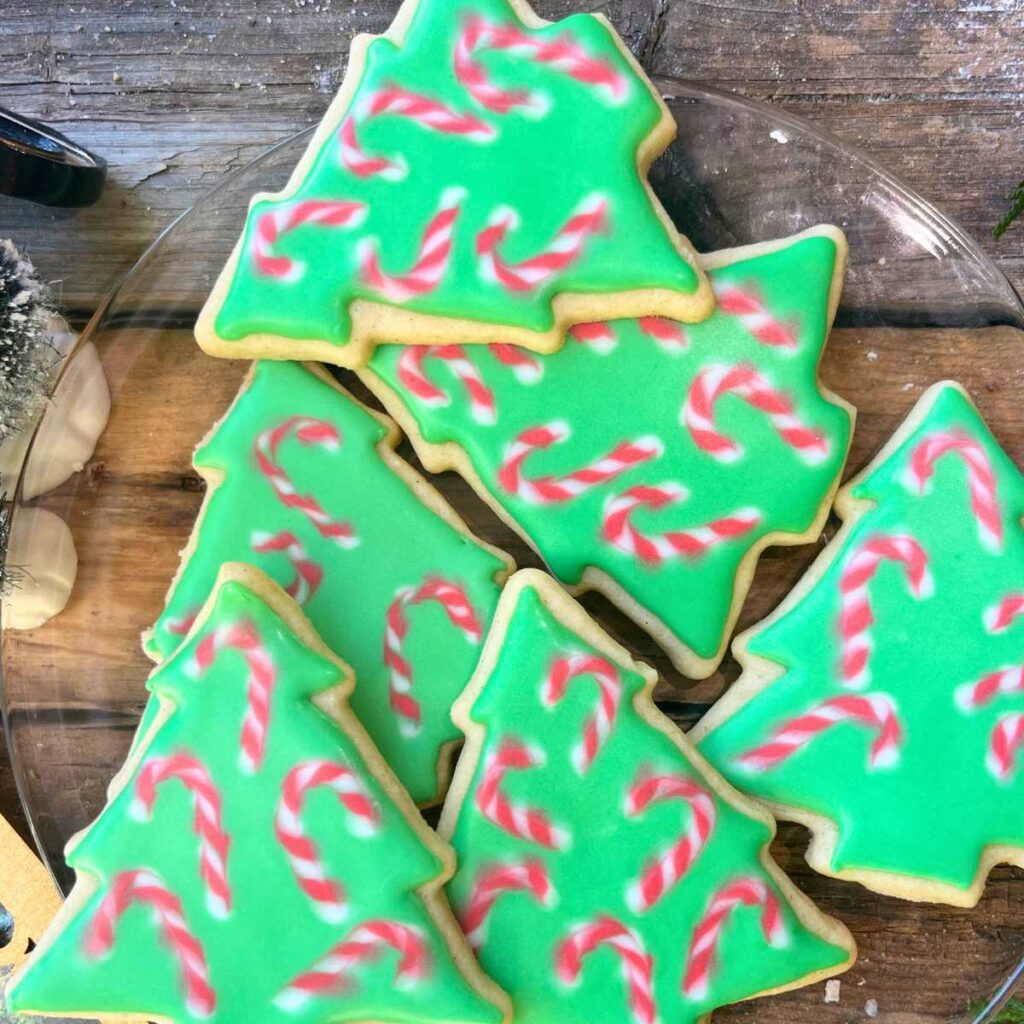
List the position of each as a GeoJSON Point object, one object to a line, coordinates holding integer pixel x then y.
{"type": "Point", "coordinates": [883, 703]}
{"type": "Point", "coordinates": [256, 861]}
{"type": "Point", "coordinates": [444, 196]}
{"type": "Point", "coordinates": [591, 836]}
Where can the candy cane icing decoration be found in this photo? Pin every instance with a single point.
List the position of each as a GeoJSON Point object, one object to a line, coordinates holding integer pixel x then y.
{"type": "Point", "coordinates": [745, 382]}
{"type": "Point", "coordinates": [419, 110]}
{"type": "Point", "coordinates": [875, 711]}
{"type": "Point", "coordinates": [562, 54]}
{"type": "Point", "coordinates": [985, 690]}
{"type": "Point", "coordinates": [637, 964]}
{"type": "Point", "coordinates": [655, 549]}
{"type": "Point", "coordinates": [1005, 743]}
{"type": "Point", "coordinates": [855, 616]}
{"type": "Point", "coordinates": [455, 603]}
{"type": "Point", "coordinates": [981, 479]}
{"type": "Point", "coordinates": [596, 336]}
{"type": "Point", "coordinates": [528, 876]}
{"type": "Point", "coordinates": [526, 368]}
{"type": "Point", "coordinates": [589, 218]}
{"type": "Point", "coordinates": [519, 820]}
{"type": "Point", "coordinates": [413, 376]}
{"type": "Point", "coordinates": [327, 895]}
{"type": "Point", "coordinates": [1002, 615]}
{"type": "Point", "coordinates": [599, 725]}
{"type": "Point", "coordinates": [662, 873]}
{"type": "Point", "coordinates": [546, 490]}
{"type": "Point", "coordinates": [432, 260]}
{"type": "Point", "coordinates": [668, 334]}
{"type": "Point", "coordinates": [182, 624]}
{"type": "Point", "coordinates": [364, 944]}
{"type": "Point", "coordinates": [308, 574]}
{"type": "Point", "coordinates": [745, 892]}
{"type": "Point", "coordinates": [744, 304]}
{"type": "Point", "coordinates": [145, 887]}
{"type": "Point", "coordinates": [307, 431]}
{"type": "Point", "coordinates": [207, 819]}
{"type": "Point", "coordinates": [273, 224]}
{"type": "Point", "coordinates": [243, 637]}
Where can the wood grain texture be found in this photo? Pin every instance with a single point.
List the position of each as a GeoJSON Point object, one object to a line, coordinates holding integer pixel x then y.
{"type": "Point", "coordinates": [175, 93]}
{"type": "Point", "coordinates": [81, 677]}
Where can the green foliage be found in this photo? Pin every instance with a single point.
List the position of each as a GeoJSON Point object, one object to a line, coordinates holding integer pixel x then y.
{"type": "Point", "coordinates": [1011, 1013]}
{"type": "Point", "coordinates": [1016, 210]}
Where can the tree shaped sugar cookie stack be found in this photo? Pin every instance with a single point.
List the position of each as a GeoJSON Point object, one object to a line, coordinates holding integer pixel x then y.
{"type": "Point", "coordinates": [647, 459]}
{"type": "Point", "coordinates": [305, 485]}
{"type": "Point", "coordinates": [605, 871]}
{"type": "Point", "coordinates": [426, 208]}
{"type": "Point", "coordinates": [883, 703]}
{"type": "Point", "coordinates": [268, 868]}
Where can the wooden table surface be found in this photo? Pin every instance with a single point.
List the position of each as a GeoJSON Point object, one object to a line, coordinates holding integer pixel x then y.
{"type": "Point", "coordinates": [176, 93]}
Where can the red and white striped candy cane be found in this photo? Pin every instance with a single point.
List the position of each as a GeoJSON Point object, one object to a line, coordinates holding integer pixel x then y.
{"type": "Point", "coordinates": [528, 875]}
{"type": "Point", "coordinates": [981, 479]}
{"type": "Point", "coordinates": [454, 601]}
{"type": "Point", "coordinates": [519, 820]}
{"type": "Point", "coordinates": [1005, 743]}
{"type": "Point", "coordinates": [562, 54]}
{"type": "Point", "coordinates": [307, 431]}
{"type": "Point", "coordinates": [308, 574]}
{"type": "Point", "coordinates": [701, 962]}
{"type": "Point", "coordinates": [243, 637]}
{"type": "Point", "coordinates": [668, 334]}
{"type": "Point", "coordinates": [207, 819]}
{"type": "Point", "coordinates": [413, 377]}
{"type": "Point", "coordinates": [744, 303]}
{"type": "Point", "coordinates": [663, 872]}
{"type": "Point", "coordinates": [181, 624]}
{"type": "Point", "coordinates": [1002, 615]}
{"type": "Point", "coordinates": [855, 616]}
{"type": "Point", "coordinates": [599, 337]}
{"type": "Point", "coordinates": [875, 711]}
{"type": "Point", "coordinates": [546, 490]}
{"type": "Point", "coordinates": [145, 886]}
{"type": "Point", "coordinates": [637, 963]}
{"type": "Point", "coordinates": [655, 549]}
{"type": "Point", "coordinates": [744, 381]}
{"type": "Point", "coordinates": [985, 690]}
{"type": "Point", "coordinates": [328, 896]}
{"type": "Point", "coordinates": [272, 225]}
{"type": "Point", "coordinates": [599, 725]}
{"type": "Point", "coordinates": [364, 944]}
{"type": "Point", "coordinates": [526, 368]}
{"type": "Point", "coordinates": [589, 218]}
{"type": "Point", "coordinates": [432, 260]}
{"type": "Point", "coordinates": [420, 110]}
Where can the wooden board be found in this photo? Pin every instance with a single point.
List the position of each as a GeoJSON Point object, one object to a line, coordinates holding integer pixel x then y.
{"type": "Point", "coordinates": [131, 511]}
{"type": "Point", "coordinates": [176, 93]}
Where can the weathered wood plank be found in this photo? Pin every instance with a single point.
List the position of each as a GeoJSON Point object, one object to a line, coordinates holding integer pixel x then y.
{"type": "Point", "coordinates": [177, 94]}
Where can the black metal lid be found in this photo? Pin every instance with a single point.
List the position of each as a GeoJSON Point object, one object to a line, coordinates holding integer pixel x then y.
{"type": "Point", "coordinates": [40, 164]}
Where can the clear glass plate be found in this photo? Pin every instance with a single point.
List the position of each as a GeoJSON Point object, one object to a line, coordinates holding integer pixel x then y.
{"type": "Point", "coordinates": [922, 301]}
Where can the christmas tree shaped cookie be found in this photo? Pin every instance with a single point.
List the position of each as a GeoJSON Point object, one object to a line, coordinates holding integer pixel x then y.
{"type": "Point", "coordinates": [305, 485]}
{"type": "Point", "coordinates": [606, 873]}
{"type": "Point", "coordinates": [882, 703]}
{"type": "Point", "coordinates": [446, 197]}
{"type": "Point", "coordinates": [646, 459]}
{"type": "Point", "coordinates": [256, 861]}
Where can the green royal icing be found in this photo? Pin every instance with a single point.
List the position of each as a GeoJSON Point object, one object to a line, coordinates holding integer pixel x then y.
{"type": "Point", "coordinates": [899, 819]}
{"type": "Point", "coordinates": [271, 933]}
{"type": "Point", "coordinates": [402, 543]}
{"type": "Point", "coordinates": [635, 252]}
{"type": "Point", "coordinates": [639, 390]}
{"type": "Point", "coordinates": [607, 850]}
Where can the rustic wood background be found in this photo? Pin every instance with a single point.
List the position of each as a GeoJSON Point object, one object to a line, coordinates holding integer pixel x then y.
{"type": "Point", "coordinates": [176, 93]}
